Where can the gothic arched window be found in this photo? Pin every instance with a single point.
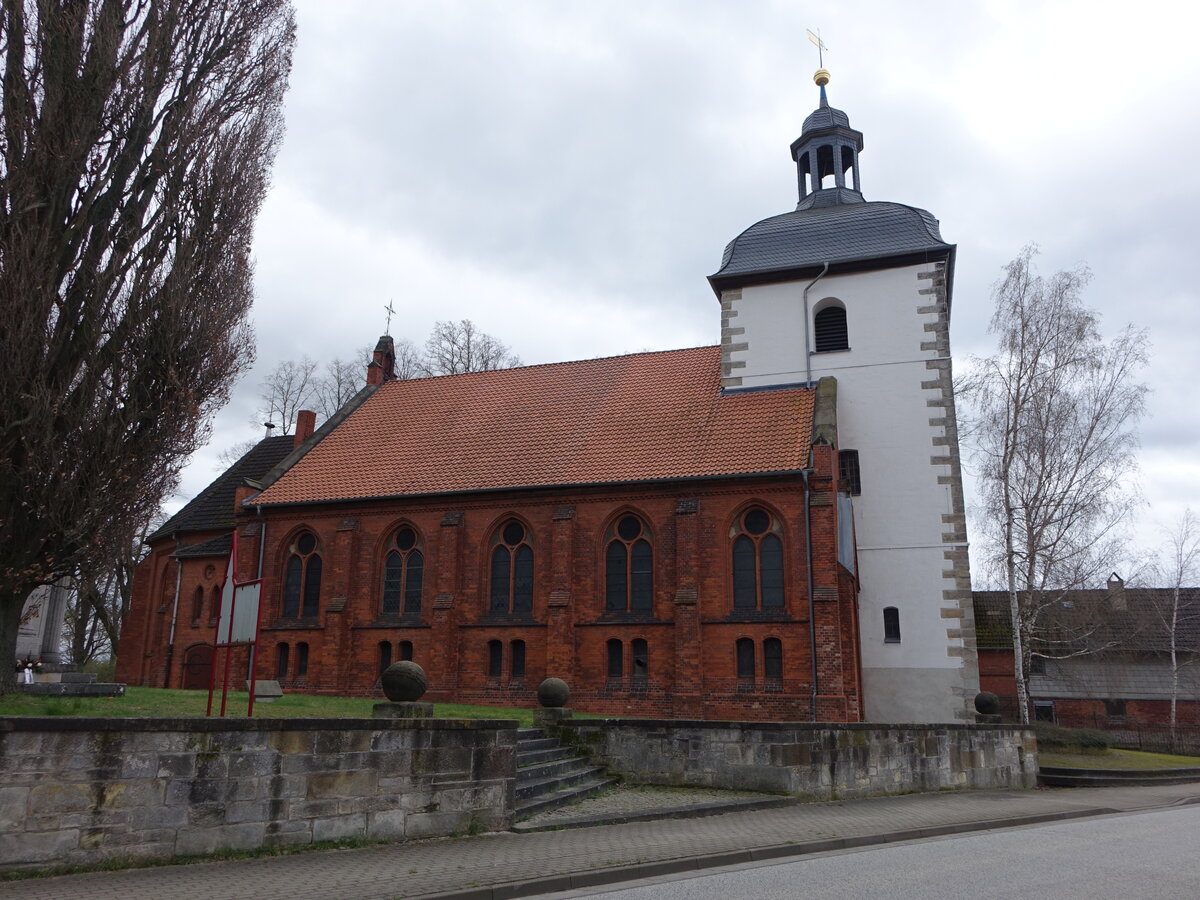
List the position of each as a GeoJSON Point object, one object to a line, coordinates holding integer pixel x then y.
{"type": "Point", "coordinates": [829, 329]}
{"type": "Point", "coordinates": [197, 606]}
{"type": "Point", "coordinates": [302, 579]}
{"type": "Point", "coordinates": [495, 658]}
{"type": "Point", "coordinates": [512, 571]}
{"type": "Point", "coordinates": [757, 562]}
{"type": "Point", "coordinates": [385, 655]}
{"type": "Point", "coordinates": [403, 574]}
{"type": "Point", "coordinates": [629, 568]}
{"type": "Point", "coordinates": [301, 659]}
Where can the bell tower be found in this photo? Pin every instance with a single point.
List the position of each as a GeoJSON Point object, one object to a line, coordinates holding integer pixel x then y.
{"type": "Point", "coordinates": [861, 290]}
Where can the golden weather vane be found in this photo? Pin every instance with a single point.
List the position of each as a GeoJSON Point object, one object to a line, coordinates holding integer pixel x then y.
{"type": "Point", "coordinates": [821, 48]}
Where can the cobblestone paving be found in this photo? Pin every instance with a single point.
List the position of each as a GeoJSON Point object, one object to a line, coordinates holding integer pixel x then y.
{"type": "Point", "coordinates": [430, 867]}
{"type": "Point", "coordinates": [624, 800]}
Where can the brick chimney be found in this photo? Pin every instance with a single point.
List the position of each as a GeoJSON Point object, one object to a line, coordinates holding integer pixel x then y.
{"type": "Point", "coordinates": [383, 362]}
{"type": "Point", "coordinates": [306, 423]}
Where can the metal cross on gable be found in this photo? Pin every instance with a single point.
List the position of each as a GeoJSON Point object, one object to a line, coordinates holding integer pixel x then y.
{"type": "Point", "coordinates": [387, 329]}
{"type": "Point", "coordinates": [821, 48]}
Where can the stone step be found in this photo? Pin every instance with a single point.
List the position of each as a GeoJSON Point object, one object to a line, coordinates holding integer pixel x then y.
{"type": "Point", "coordinates": [533, 805]}
{"type": "Point", "coordinates": [537, 787]}
{"type": "Point", "coordinates": [1061, 777]}
{"type": "Point", "coordinates": [539, 744]}
{"type": "Point", "coordinates": [534, 757]}
{"type": "Point", "coordinates": [552, 769]}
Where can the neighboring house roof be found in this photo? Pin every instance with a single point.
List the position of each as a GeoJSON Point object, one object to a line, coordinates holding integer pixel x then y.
{"type": "Point", "coordinates": [218, 546]}
{"type": "Point", "coordinates": [851, 230]}
{"type": "Point", "coordinates": [641, 417]}
{"type": "Point", "coordinates": [212, 508]}
{"type": "Point", "coordinates": [1130, 620]}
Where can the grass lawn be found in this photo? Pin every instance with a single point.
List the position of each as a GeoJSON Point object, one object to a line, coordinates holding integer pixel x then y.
{"type": "Point", "coordinates": [139, 701]}
{"type": "Point", "coordinates": [1116, 759]}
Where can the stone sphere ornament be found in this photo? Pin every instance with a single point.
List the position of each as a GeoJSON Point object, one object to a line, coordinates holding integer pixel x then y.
{"type": "Point", "coordinates": [553, 692]}
{"type": "Point", "coordinates": [987, 703]}
{"type": "Point", "coordinates": [404, 682]}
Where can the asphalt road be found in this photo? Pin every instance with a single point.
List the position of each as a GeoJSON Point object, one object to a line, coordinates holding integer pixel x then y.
{"type": "Point", "coordinates": [1153, 854]}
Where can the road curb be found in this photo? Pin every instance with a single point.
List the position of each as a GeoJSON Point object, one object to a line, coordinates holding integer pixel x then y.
{"type": "Point", "coordinates": [618, 874]}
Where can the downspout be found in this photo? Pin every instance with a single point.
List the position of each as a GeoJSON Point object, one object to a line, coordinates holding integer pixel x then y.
{"type": "Point", "coordinates": [808, 339]}
{"type": "Point", "coordinates": [812, 609]}
{"type": "Point", "coordinates": [174, 616]}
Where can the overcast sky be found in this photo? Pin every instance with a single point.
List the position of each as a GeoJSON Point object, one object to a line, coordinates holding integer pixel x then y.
{"type": "Point", "coordinates": [566, 173]}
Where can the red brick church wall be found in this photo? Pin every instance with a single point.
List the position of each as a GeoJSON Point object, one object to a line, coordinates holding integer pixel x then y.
{"type": "Point", "coordinates": [690, 636]}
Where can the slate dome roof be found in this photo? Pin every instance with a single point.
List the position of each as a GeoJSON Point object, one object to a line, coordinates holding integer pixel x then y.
{"type": "Point", "coordinates": [846, 231]}
{"type": "Point", "coordinates": [825, 117]}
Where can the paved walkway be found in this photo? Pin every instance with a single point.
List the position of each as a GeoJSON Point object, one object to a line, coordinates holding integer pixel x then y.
{"type": "Point", "coordinates": [514, 865]}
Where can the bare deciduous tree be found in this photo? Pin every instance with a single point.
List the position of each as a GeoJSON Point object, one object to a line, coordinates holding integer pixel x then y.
{"type": "Point", "coordinates": [1050, 423]}
{"type": "Point", "coordinates": [409, 361]}
{"type": "Point", "coordinates": [340, 380]}
{"type": "Point", "coordinates": [285, 391]}
{"type": "Point", "coordinates": [135, 146]}
{"type": "Point", "coordinates": [1176, 610]}
{"type": "Point", "coordinates": [455, 348]}
{"type": "Point", "coordinates": [100, 594]}
{"type": "Point", "coordinates": [233, 453]}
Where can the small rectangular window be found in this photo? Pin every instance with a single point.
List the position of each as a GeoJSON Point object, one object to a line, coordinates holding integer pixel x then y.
{"type": "Point", "coordinates": [745, 659]}
{"type": "Point", "coordinates": [517, 663]}
{"type": "Point", "coordinates": [1114, 709]}
{"type": "Point", "coordinates": [849, 473]}
{"type": "Point", "coordinates": [891, 625]}
{"type": "Point", "coordinates": [495, 658]}
{"type": "Point", "coordinates": [616, 660]}
{"type": "Point", "coordinates": [301, 659]}
{"type": "Point", "coordinates": [281, 662]}
{"type": "Point", "coordinates": [641, 660]}
{"type": "Point", "coordinates": [773, 659]}
{"type": "Point", "coordinates": [1043, 710]}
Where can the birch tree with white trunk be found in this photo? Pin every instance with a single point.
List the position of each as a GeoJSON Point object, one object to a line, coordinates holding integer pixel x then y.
{"type": "Point", "coordinates": [1051, 426]}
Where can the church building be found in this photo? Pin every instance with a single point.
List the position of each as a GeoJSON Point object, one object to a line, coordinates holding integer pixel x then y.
{"type": "Point", "coordinates": [771, 528]}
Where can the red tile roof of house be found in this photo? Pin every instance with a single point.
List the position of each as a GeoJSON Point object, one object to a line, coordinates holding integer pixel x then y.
{"type": "Point", "coordinates": [642, 417]}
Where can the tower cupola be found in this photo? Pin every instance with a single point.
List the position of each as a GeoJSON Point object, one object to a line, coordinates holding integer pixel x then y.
{"type": "Point", "coordinates": [826, 153]}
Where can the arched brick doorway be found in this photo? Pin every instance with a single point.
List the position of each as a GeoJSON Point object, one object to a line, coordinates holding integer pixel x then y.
{"type": "Point", "coordinates": [197, 667]}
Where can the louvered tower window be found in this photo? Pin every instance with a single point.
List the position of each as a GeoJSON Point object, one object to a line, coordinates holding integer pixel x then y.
{"type": "Point", "coordinates": [829, 329]}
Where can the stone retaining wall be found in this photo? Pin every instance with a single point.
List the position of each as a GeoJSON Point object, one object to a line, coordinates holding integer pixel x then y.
{"type": "Point", "coordinates": [78, 791]}
{"type": "Point", "coordinates": [820, 762]}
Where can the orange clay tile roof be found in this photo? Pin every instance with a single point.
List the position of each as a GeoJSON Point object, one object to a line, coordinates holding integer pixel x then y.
{"type": "Point", "coordinates": [642, 417]}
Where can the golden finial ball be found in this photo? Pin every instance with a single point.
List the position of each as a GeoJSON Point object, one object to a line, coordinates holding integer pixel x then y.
{"type": "Point", "coordinates": [821, 77]}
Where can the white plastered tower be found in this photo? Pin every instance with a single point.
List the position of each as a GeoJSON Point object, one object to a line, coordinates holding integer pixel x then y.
{"type": "Point", "coordinates": [861, 291]}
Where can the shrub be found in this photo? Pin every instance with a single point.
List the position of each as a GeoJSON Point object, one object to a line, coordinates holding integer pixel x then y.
{"type": "Point", "coordinates": [1051, 735]}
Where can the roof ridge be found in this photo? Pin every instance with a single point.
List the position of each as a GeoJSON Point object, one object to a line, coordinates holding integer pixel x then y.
{"type": "Point", "coordinates": [561, 362]}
